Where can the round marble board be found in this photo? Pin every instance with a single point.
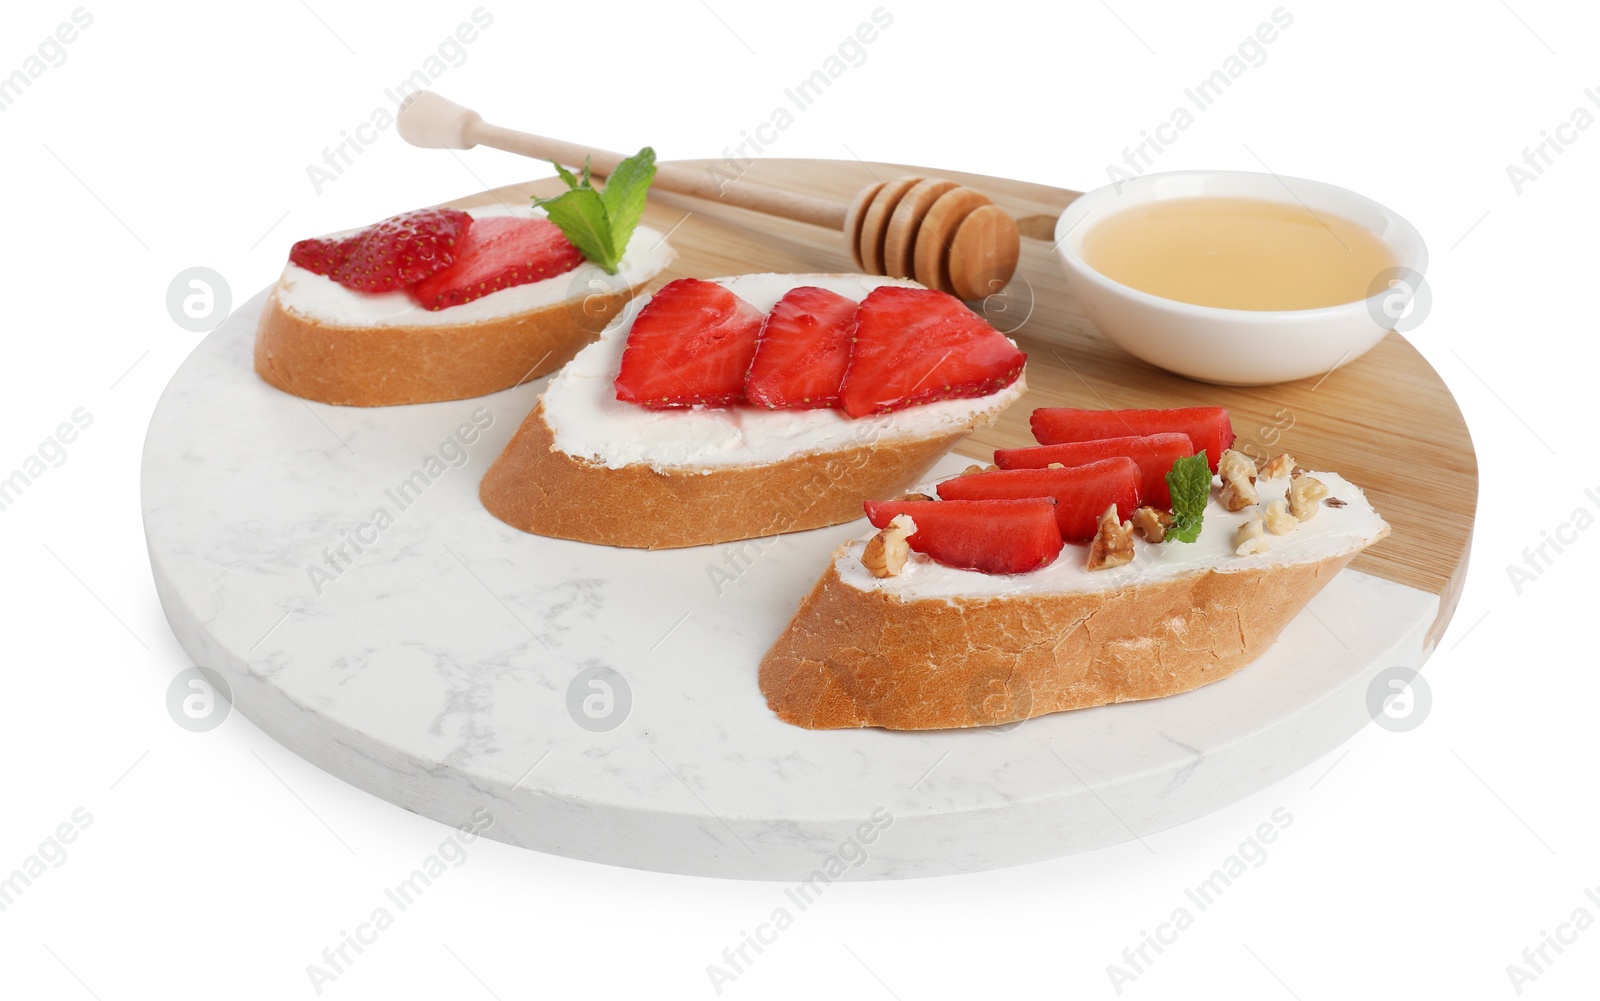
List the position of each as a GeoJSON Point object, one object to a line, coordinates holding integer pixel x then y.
{"type": "Point", "coordinates": [442, 660]}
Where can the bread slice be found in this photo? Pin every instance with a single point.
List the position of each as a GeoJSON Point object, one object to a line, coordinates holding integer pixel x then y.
{"type": "Point", "coordinates": [937, 647]}
{"type": "Point", "coordinates": [588, 467]}
{"type": "Point", "coordinates": [321, 341]}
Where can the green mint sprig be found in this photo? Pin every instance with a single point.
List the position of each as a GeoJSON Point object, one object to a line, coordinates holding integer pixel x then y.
{"type": "Point", "coordinates": [601, 222]}
{"type": "Point", "coordinates": [1190, 484]}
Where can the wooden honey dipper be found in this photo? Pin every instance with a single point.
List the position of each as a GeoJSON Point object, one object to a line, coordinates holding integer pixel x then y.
{"type": "Point", "coordinates": [944, 235]}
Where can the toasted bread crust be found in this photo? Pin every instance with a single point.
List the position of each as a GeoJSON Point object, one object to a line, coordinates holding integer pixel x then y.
{"type": "Point", "coordinates": [385, 366]}
{"type": "Point", "coordinates": [538, 488]}
{"type": "Point", "coordinates": [853, 657]}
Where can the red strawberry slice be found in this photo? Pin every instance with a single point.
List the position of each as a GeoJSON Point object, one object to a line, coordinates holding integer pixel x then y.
{"type": "Point", "coordinates": [690, 344]}
{"type": "Point", "coordinates": [321, 255]}
{"type": "Point", "coordinates": [1154, 454]}
{"type": "Point", "coordinates": [500, 252]}
{"type": "Point", "coordinates": [1081, 493]}
{"type": "Point", "coordinates": [989, 536]}
{"type": "Point", "coordinates": [393, 254]}
{"type": "Point", "coordinates": [1208, 427]}
{"type": "Point", "coordinates": [916, 345]}
{"type": "Point", "coordinates": [802, 351]}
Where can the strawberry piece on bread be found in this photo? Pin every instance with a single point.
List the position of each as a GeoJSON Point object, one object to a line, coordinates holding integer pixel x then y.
{"type": "Point", "coordinates": [1207, 427]}
{"type": "Point", "coordinates": [1153, 453]}
{"type": "Point", "coordinates": [499, 252]}
{"type": "Point", "coordinates": [915, 345]}
{"type": "Point", "coordinates": [690, 345]}
{"type": "Point", "coordinates": [1082, 493]}
{"type": "Point", "coordinates": [391, 255]}
{"type": "Point", "coordinates": [990, 536]}
{"type": "Point", "coordinates": [802, 351]}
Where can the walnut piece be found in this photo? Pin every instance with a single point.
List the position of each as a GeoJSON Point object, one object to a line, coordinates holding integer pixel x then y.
{"type": "Point", "coordinates": [977, 468]}
{"type": "Point", "coordinates": [1279, 520]}
{"type": "Point", "coordinates": [1251, 537]}
{"type": "Point", "coordinates": [1152, 523]}
{"type": "Point", "coordinates": [1238, 480]}
{"type": "Point", "coordinates": [1113, 542]}
{"type": "Point", "coordinates": [1304, 494]}
{"type": "Point", "coordinates": [1278, 467]}
{"type": "Point", "coordinates": [1334, 502]}
{"type": "Point", "coordinates": [913, 496]}
{"type": "Point", "coordinates": [886, 552]}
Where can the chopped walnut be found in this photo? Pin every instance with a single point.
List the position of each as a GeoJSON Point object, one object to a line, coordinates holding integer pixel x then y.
{"type": "Point", "coordinates": [1237, 496]}
{"type": "Point", "coordinates": [1238, 480]}
{"type": "Point", "coordinates": [1304, 494]}
{"type": "Point", "coordinates": [1056, 465]}
{"type": "Point", "coordinates": [977, 468]}
{"type": "Point", "coordinates": [1279, 520]}
{"type": "Point", "coordinates": [1251, 537]}
{"type": "Point", "coordinates": [1334, 502]}
{"type": "Point", "coordinates": [1278, 467]}
{"type": "Point", "coordinates": [913, 496]}
{"type": "Point", "coordinates": [1113, 542]}
{"type": "Point", "coordinates": [885, 553]}
{"type": "Point", "coordinates": [1152, 523]}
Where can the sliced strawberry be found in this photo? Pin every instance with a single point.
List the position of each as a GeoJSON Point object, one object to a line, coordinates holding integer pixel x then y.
{"type": "Point", "coordinates": [802, 351]}
{"type": "Point", "coordinates": [1208, 427]}
{"type": "Point", "coordinates": [321, 255]}
{"type": "Point", "coordinates": [989, 536]}
{"type": "Point", "coordinates": [500, 252]}
{"type": "Point", "coordinates": [1154, 453]}
{"type": "Point", "coordinates": [917, 345]}
{"type": "Point", "coordinates": [1081, 493]}
{"type": "Point", "coordinates": [690, 344]}
{"type": "Point", "coordinates": [393, 254]}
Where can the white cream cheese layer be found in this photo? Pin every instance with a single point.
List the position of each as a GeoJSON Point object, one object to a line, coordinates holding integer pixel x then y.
{"type": "Point", "coordinates": [320, 298]}
{"type": "Point", "coordinates": [588, 420]}
{"type": "Point", "coordinates": [1332, 531]}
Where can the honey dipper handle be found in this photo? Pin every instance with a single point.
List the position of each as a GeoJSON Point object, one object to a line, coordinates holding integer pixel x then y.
{"type": "Point", "coordinates": [429, 120]}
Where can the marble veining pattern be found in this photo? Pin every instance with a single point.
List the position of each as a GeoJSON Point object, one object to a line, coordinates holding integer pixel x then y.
{"type": "Point", "coordinates": [432, 668]}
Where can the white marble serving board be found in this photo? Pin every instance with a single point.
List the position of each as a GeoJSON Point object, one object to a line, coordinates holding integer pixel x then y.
{"type": "Point", "coordinates": [434, 671]}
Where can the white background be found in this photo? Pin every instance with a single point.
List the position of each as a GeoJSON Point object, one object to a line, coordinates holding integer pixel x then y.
{"type": "Point", "coordinates": [1417, 865]}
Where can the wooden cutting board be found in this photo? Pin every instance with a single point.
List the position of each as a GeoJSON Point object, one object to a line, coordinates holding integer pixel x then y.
{"type": "Point", "coordinates": [1385, 421]}
{"type": "Point", "coordinates": [447, 668]}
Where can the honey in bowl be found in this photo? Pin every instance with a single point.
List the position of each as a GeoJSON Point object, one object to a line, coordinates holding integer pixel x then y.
{"type": "Point", "coordinates": [1238, 253]}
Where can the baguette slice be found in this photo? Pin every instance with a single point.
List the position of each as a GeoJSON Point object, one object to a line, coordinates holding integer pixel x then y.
{"type": "Point", "coordinates": [321, 341]}
{"type": "Point", "coordinates": [936, 647]}
{"type": "Point", "coordinates": [589, 467]}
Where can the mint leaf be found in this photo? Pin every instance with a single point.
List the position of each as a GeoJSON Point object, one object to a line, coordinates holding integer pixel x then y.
{"type": "Point", "coordinates": [582, 217]}
{"type": "Point", "coordinates": [601, 222]}
{"type": "Point", "coordinates": [566, 175]}
{"type": "Point", "coordinates": [1190, 484]}
{"type": "Point", "coordinates": [624, 196]}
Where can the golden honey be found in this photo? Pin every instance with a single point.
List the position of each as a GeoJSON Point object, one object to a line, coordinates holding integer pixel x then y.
{"type": "Point", "coordinates": [1238, 253]}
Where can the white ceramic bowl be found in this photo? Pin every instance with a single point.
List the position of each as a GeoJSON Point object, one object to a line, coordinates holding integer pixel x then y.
{"type": "Point", "coordinates": [1238, 347]}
